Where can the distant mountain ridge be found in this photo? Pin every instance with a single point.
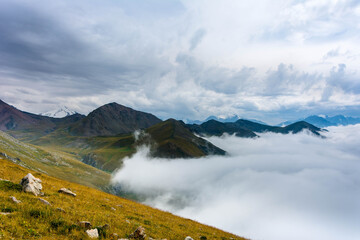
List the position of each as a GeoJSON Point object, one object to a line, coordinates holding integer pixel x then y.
{"type": "Point", "coordinates": [28, 125]}
{"type": "Point", "coordinates": [232, 118]}
{"type": "Point", "coordinates": [326, 121]}
{"type": "Point", "coordinates": [246, 128]}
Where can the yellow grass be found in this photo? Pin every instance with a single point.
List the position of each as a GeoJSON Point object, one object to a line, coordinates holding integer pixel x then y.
{"type": "Point", "coordinates": [33, 220]}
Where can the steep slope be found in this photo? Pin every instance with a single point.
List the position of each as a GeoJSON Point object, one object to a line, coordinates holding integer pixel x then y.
{"type": "Point", "coordinates": [112, 119]}
{"type": "Point", "coordinates": [31, 219]}
{"type": "Point", "coordinates": [246, 128]}
{"type": "Point", "coordinates": [175, 140]}
{"type": "Point", "coordinates": [52, 162]}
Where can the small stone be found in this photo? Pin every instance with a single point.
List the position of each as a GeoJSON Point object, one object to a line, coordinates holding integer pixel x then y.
{"type": "Point", "coordinates": [44, 201]}
{"type": "Point", "coordinates": [67, 191]}
{"type": "Point", "coordinates": [31, 184]}
{"type": "Point", "coordinates": [15, 200]}
{"type": "Point", "coordinates": [60, 210]}
{"type": "Point", "coordinates": [188, 238]}
{"type": "Point", "coordinates": [114, 209]}
{"type": "Point", "coordinates": [127, 221]}
{"type": "Point", "coordinates": [5, 213]}
{"type": "Point", "coordinates": [92, 233]}
{"type": "Point", "coordinates": [85, 224]}
{"type": "Point", "coordinates": [114, 236]}
{"type": "Point", "coordinates": [139, 233]}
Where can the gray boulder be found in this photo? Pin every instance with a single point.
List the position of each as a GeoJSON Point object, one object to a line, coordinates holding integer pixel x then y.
{"type": "Point", "coordinates": [85, 224]}
{"type": "Point", "coordinates": [138, 234]}
{"type": "Point", "coordinates": [44, 202]}
{"type": "Point", "coordinates": [31, 184]}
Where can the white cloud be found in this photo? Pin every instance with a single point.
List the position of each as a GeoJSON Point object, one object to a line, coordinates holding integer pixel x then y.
{"type": "Point", "coordinates": [276, 187]}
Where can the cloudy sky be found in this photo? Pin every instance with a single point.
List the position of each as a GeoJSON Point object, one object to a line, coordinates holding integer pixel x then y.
{"type": "Point", "coordinates": [270, 60]}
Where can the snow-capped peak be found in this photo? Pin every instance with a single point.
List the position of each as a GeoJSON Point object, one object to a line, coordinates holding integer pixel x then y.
{"type": "Point", "coordinates": [61, 112]}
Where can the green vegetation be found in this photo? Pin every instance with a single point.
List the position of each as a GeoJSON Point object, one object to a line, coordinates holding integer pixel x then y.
{"type": "Point", "coordinates": [31, 219]}
{"type": "Point", "coordinates": [52, 162]}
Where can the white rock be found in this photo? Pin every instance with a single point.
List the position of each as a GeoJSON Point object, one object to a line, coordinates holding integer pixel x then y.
{"type": "Point", "coordinates": [92, 233]}
{"type": "Point", "coordinates": [67, 191]}
{"type": "Point", "coordinates": [15, 200]}
{"type": "Point", "coordinates": [5, 213]}
{"type": "Point", "coordinates": [31, 184]}
{"type": "Point", "coordinates": [188, 238]}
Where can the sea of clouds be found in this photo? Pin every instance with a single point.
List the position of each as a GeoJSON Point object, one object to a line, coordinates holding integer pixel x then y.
{"type": "Point", "coordinates": [276, 187]}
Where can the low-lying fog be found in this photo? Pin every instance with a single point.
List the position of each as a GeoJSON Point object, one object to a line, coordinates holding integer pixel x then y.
{"type": "Point", "coordinates": [276, 187]}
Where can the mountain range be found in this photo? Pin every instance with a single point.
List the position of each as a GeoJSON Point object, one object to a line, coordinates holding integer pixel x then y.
{"type": "Point", "coordinates": [322, 121]}
{"type": "Point", "coordinates": [232, 118]}
{"type": "Point", "coordinates": [246, 128]}
{"type": "Point", "coordinates": [106, 135]}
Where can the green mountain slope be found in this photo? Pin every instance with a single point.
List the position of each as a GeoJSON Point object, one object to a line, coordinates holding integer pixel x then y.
{"type": "Point", "coordinates": [52, 162]}
{"type": "Point", "coordinates": [170, 139]}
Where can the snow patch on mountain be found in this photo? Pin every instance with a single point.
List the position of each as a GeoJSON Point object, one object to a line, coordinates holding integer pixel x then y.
{"type": "Point", "coordinates": [62, 111]}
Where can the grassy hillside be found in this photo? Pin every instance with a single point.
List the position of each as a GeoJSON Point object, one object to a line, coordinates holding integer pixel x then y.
{"type": "Point", "coordinates": [32, 219]}
{"type": "Point", "coordinates": [171, 139]}
{"type": "Point", "coordinates": [52, 162]}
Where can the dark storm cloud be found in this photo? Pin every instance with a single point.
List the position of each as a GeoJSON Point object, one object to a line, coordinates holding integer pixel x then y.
{"type": "Point", "coordinates": [34, 46]}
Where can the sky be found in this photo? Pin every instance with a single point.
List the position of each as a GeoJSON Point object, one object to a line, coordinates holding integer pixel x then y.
{"type": "Point", "coordinates": [276, 187]}
{"type": "Point", "coordinates": [267, 60]}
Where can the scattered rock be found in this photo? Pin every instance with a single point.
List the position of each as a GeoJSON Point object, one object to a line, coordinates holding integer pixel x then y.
{"type": "Point", "coordinates": [114, 236]}
{"type": "Point", "coordinates": [188, 238]}
{"type": "Point", "coordinates": [67, 191]}
{"type": "Point", "coordinates": [114, 209]}
{"type": "Point", "coordinates": [4, 180]}
{"type": "Point", "coordinates": [123, 239]}
{"type": "Point", "coordinates": [127, 221]}
{"type": "Point", "coordinates": [31, 184]}
{"type": "Point", "coordinates": [139, 233]}
{"type": "Point", "coordinates": [5, 213]}
{"type": "Point", "coordinates": [44, 201]}
{"type": "Point", "coordinates": [15, 200]}
{"type": "Point", "coordinates": [92, 233]}
{"type": "Point", "coordinates": [85, 224]}
{"type": "Point", "coordinates": [60, 210]}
